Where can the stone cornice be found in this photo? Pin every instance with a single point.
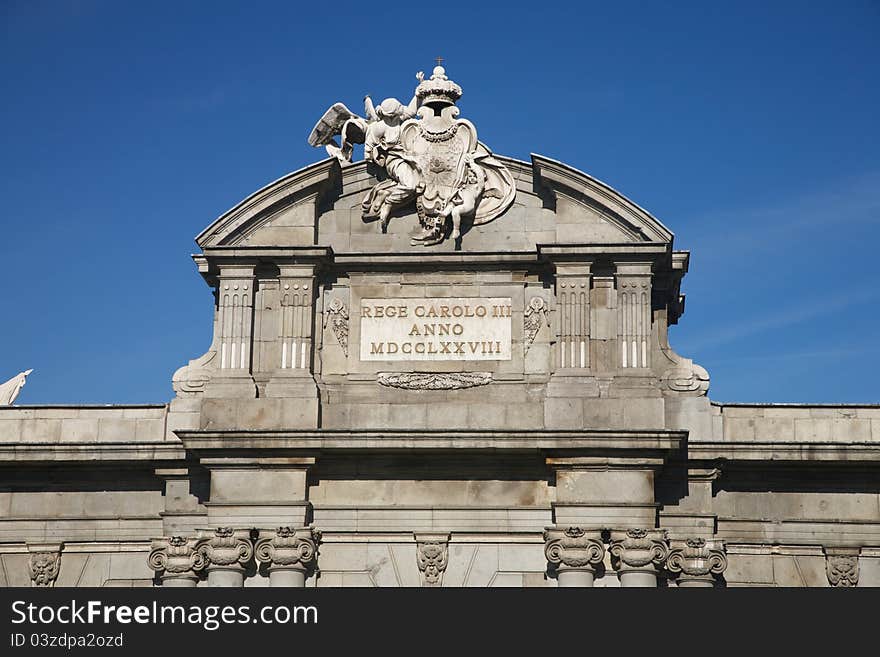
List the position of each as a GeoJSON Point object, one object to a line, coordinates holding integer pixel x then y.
{"type": "Point", "coordinates": [812, 452]}
{"type": "Point", "coordinates": [91, 451]}
{"type": "Point", "coordinates": [549, 442]}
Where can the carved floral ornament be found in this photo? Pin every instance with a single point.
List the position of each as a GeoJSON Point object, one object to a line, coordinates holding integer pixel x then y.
{"type": "Point", "coordinates": [429, 155]}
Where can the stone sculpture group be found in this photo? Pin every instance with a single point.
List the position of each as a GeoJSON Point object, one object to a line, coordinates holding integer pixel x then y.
{"type": "Point", "coordinates": [426, 154]}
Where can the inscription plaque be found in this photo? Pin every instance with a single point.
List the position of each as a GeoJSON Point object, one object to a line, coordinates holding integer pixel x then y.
{"type": "Point", "coordinates": [460, 328]}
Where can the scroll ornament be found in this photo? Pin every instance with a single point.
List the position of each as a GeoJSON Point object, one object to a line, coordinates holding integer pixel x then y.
{"type": "Point", "coordinates": [638, 548]}
{"type": "Point", "coordinates": [289, 548]}
{"type": "Point", "coordinates": [224, 548]}
{"type": "Point", "coordinates": [573, 548]}
{"type": "Point", "coordinates": [176, 557]}
{"type": "Point", "coordinates": [697, 558]}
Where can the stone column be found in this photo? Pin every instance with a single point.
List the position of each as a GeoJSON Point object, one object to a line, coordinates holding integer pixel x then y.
{"type": "Point", "coordinates": [573, 553]}
{"type": "Point", "coordinates": [178, 559]}
{"type": "Point", "coordinates": [636, 553]}
{"type": "Point", "coordinates": [697, 561]}
{"type": "Point", "coordinates": [291, 555]}
{"type": "Point", "coordinates": [226, 553]}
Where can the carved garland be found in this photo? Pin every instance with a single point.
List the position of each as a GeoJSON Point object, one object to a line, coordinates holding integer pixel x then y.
{"type": "Point", "coordinates": [336, 314]}
{"type": "Point", "coordinates": [433, 380]}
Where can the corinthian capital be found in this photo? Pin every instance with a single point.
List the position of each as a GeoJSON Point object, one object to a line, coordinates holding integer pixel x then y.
{"type": "Point", "coordinates": [176, 557]}
{"type": "Point", "coordinates": [573, 548]}
{"type": "Point", "coordinates": [289, 548]}
{"type": "Point", "coordinates": [227, 548]}
{"type": "Point", "coordinates": [638, 549]}
{"type": "Point", "coordinates": [697, 560]}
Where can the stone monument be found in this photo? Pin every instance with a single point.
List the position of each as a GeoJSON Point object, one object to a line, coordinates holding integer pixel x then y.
{"type": "Point", "coordinates": [433, 367]}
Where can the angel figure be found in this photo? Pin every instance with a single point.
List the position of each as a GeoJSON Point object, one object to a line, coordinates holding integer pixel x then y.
{"type": "Point", "coordinates": [339, 120]}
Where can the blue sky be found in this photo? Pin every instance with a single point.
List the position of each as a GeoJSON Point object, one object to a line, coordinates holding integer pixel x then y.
{"type": "Point", "coordinates": [749, 128]}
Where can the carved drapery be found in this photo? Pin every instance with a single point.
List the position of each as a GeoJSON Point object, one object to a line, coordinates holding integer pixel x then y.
{"type": "Point", "coordinates": [177, 559]}
{"type": "Point", "coordinates": [432, 557]}
{"type": "Point", "coordinates": [696, 561]}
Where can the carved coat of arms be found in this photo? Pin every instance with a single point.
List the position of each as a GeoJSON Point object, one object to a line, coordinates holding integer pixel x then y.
{"type": "Point", "coordinates": [429, 156]}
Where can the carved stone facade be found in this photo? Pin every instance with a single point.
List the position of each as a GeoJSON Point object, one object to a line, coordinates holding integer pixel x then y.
{"type": "Point", "coordinates": [441, 342]}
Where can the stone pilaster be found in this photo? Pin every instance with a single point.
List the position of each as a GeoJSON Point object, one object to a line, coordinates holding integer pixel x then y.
{"type": "Point", "coordinates": [573, 316]}
{"type": "Point", "coordinates": [842, 566]}
{"type": "Point", "coordinates": [44, 563]}
{"type": "Point", "coordinates": [178, 560]}
{"type": "Point", "coordinates": [290, 555]}
{"type": "Point", "coordinates": [696, 561]}
{"type": "Point", "coordinates": [234, 334]}
{"type": "Point", "coordinates": [573, 553]}
{"type": "Point", "coordinates": [432, 556]}
{"type": "Point", "coordinates": [636, 554]}
{"type": "Point", "coordinates": [226, 551]}
{"type": "Point", "coordinates": [634, 318]}
{"type": "Point", "coordinates": [291, 333]}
